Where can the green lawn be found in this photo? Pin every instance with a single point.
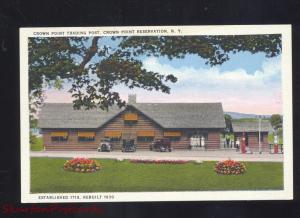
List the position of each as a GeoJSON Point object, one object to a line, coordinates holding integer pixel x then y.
{"type": "Point", "coordinates": [47, 175]}
{"type": "Point", "coordinates": [37, 145]}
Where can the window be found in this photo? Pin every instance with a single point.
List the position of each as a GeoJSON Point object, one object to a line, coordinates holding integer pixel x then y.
{"type": "Point", "coordinates": [130, 118]}
{"type": "Point", "coordinates": [145, 138]}
{"type": "Point", "coordinates": [59, 138]}
{"type": "Point", "coordinates": [86, 139]}
{"type": "Point", "coordinates": [130, 122]}
{"type": "Point", "coordinates": [86, 136]}
{"type": "Point", "coordinates": [115, 139]}
{"type": "Point", "coordinates": [174, 139]}
{"type": "Point", "coordinates": [174, 136]}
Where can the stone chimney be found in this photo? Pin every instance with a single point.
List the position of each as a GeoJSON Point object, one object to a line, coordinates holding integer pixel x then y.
{"type": "Point", "coordinates": [132, 99]}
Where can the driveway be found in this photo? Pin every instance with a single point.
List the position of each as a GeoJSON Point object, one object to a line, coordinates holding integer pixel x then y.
{"type": "Point", "coordinates": [198, 156]}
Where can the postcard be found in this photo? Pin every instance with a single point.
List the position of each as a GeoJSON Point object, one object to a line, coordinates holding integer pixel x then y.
{"type": "Point", "coordinates": [156, 113]}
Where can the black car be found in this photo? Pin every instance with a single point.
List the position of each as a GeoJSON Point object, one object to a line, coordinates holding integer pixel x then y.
{"type": "Point", "coordinates": [161, 145]}
{"type": "Point", "coordinates": [105, 145]}
{"type": "Point", "coordinates": [128, 146]}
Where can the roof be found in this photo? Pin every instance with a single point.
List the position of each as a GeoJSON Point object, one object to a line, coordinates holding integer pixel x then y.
{"type": "Point", "coordinates": [167, 115]}
{"type": "Point", "coordinates": [62, 115]}
{"type": "Point", "coordinates": [251, 126]}
{"type": "Point", "coordinates": [184, 115]}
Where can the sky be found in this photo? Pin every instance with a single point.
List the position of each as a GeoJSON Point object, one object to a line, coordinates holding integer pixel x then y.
{"type": "Point", "coordinates": [247, 83]}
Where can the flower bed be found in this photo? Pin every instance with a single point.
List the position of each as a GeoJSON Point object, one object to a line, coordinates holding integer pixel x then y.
{"type": "Point", "coordinates": [82, 165]}
{"type": "Point", "coordinates": [159, 161]}
{"type": "Point", "coordinates": [230, 167]}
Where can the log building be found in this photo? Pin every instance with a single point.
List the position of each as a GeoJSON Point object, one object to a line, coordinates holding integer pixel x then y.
{"type": "Point", "coordinates": [64, 128]}
{"type": "Point", "coordinates": [251, 130]}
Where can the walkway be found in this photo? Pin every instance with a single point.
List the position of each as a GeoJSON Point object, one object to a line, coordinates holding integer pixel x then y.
{"type": "Point", "coordinates": [198, 156]}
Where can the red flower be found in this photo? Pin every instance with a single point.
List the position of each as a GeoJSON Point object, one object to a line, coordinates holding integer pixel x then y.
{"type": "Point", "coordinates": [82, 165]}
{"type": "Point", "coordinates": [229, 167]}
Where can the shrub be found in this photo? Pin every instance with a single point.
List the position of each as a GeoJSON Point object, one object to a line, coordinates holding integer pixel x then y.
{"type": "Point", "coordinates": [230, 167]}
{"type": "Point", "coordinates": [81, 165]}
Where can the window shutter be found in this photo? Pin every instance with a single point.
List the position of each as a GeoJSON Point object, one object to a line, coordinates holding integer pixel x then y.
{"type": "Point", "coordinates": [59, 134]}
{"type": "Point", "coordinates": [172, 134]}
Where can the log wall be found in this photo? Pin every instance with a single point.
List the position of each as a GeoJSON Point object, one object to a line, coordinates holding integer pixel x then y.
{"type": "Point", "coordinates": [128, 130]}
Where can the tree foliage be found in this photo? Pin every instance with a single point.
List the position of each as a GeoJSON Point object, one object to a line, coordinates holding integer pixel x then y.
{"type": "Point", "coordinates": [276, 121]}
{"type": "Point", "coordinates": [228, 122]}
{"type": "Point", "coordinates": [94, 68]}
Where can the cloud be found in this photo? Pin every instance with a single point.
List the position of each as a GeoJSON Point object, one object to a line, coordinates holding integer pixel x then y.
{"type": "Point", "coordinates": [241, 91]}
{"type": "Point", "coordinates": [238, 90]}
{"type": "Point", "coordinates": [214, 76]}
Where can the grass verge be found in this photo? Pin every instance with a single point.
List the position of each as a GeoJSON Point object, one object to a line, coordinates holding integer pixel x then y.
{"type": "Point", "coordinates": [47, 176]}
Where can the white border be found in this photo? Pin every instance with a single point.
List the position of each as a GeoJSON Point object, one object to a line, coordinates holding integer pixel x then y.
{"type": "Point", "coordinates": [285, 194]}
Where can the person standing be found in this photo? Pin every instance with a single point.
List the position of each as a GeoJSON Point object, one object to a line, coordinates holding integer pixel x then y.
{"type": "Point", "coordinates": [227, 141]}
{"type": "Point", "coordinates": [237, 144]}
{"type": "Point", "coordinates": [202, 142]}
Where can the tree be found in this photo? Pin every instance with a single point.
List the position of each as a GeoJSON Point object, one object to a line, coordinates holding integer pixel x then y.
{"type": "Point", "coordinates": [94, 67]}
{"type": "Point", "coordinates": [228, 122]}
{"type": "Point", "coordinates": [33, 124]}
{"type": "Point", "coordinates": [276, 121]}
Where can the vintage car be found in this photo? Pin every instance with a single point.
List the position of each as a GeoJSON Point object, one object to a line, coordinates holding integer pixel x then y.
{"type": "Point", "coordinates": [161, 145]}
{"type": "Point", "coordinates": [105, 145]}
{"type": "Point", "coordinates": [128, 145]}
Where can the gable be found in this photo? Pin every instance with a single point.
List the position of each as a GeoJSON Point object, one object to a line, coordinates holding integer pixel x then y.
{"type": "Point", "coordinates": [141, 123]}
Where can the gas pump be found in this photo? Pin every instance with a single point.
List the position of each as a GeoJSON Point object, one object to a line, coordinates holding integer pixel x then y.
{"type": "Point", "coordinates": [243, 144]}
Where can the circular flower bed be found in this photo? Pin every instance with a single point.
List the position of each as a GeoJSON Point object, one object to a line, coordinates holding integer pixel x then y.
{"type": "Point", "coordinates": [82, 165]}
{"type": "Point", "coordinates": [230, 167]}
